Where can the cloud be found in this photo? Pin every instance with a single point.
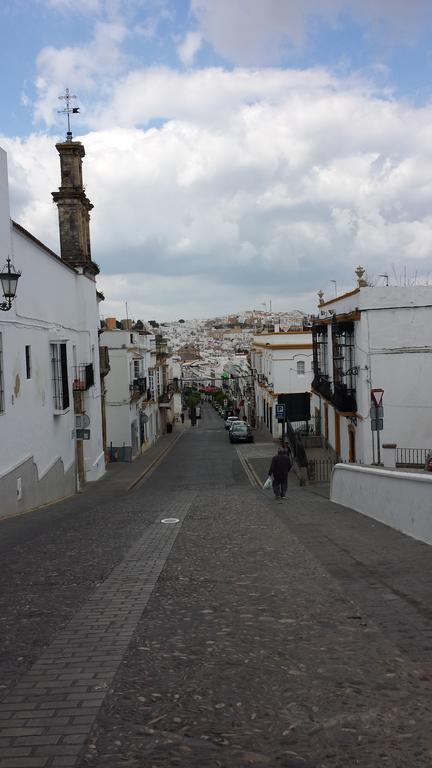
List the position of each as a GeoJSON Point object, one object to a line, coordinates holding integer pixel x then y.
{"type": "Point", "coordinates": [258, 184]}
{"type": "Point", "coordinates": [189, 47]}
{"type": "Point", "coordinates": [86, 67]}
{"type": "Point", "coordinates": [249, 32]}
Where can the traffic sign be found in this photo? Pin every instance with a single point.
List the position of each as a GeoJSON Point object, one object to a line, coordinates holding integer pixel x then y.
{"type": "Point", "coordinates": [377, 396]}
{"type": "Point", "coordinates": [377, 425]}
{"type": "Point", "coordinates": [376, 412]}
{"type": "Point", "coordinates": [82, 434]}
{"type": "Point", "coordinates": [280, 411]}
{"type": "Point", "coordinates": [82, 421]}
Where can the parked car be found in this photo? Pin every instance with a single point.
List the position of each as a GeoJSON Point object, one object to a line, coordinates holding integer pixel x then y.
{"type": "Point", "coordinates": [238, 421]}
{"type": "Point", "coordinates": [229, 420]}
{"type": "Point", "coordinates": [240, 433]}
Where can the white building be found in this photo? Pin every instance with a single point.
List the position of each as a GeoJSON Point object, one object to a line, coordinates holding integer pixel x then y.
{"type": "Point", "coordinates": [49, 359]}
{"type": "Point", "coordinates": [133, 386]}
{"type": "Point", "coordinates": [282, 366]}
{"type": "Point", "coordinates": [374, 338]}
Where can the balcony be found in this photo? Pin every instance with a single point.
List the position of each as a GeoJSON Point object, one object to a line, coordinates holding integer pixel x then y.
{"type": "Point", "coordinates": [138, 389]}
{"type": "Point", "coordinates": [164, 400]}
{"type": "Point", "coordinates": [322, 385]}
{"type": "Point", "coordinates": [344, 399]}
{"type": "Point", "coordinates": [83, 377]}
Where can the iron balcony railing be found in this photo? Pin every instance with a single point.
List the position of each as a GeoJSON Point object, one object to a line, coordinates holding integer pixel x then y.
{"type": "Point", "coordinates": [412, 457]}
{"type": "Point", "coordinates": [139, 387]}
{"type": "Point", "coordinates": [322, 385]}
{"type": "Point", "coordinates": [83, 377]}
{"type": "Point", "coordinates": [343, 398]}
{"type": "Point", "coordinates": [296, 445]}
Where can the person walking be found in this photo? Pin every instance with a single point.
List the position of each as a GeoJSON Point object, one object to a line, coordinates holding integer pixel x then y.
{"type": "Point", "coordinates": [279, 468]}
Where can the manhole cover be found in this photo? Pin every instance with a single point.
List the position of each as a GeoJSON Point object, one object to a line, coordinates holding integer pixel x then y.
{"type": "Point", "coordinates": [170, 520]}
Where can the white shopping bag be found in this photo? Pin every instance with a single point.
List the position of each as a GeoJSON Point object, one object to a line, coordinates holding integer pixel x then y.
{"type": "Point", "coordinates": [268, 484]}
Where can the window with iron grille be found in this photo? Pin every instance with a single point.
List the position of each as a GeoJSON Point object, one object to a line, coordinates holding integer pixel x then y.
{"type": "Point", "coordinates": [1, 376]}
{"type": "Point", "coordinates": [28, 361]}
{"type": "Point", "coordinates": [300, 367]}
{"type": "Point", "coordinates": [320, 351]}
{"type": "Point", "coordinates": [59, 376]}
{"type": "Point", "coordinates": [343, 354]}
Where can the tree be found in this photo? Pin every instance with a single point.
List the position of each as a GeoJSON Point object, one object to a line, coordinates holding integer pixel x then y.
{"type": "Point", "coordinates": [181, 321]}
{"type": "Point", "coordinates": [153, 323]}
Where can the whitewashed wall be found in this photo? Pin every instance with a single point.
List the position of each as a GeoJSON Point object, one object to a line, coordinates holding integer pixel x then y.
{"type": "Point", "coordinates": [402, 500]}
{"type": "Point", "coordinates": [53, 304]}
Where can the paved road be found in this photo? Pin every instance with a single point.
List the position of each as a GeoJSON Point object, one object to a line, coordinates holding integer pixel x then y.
{"type": "Point", "coordinates": [248, 633]}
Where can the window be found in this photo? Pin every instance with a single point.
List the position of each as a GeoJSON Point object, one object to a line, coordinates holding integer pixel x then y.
{"type": "Point", "coordinates": [28, 361]}
{"type": "Point", "coordinates": [1, 377]}
{"type": "Point", "coordinates": [59, 376]}
{"type": "Point", "coordinates": [300, 367]}
{"type": "Point", "coordinates": [137, 371]}
{"type": "Point", "coordinates": [320, 351]}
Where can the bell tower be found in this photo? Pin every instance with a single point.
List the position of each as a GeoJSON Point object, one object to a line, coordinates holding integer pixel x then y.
{"type": "Point", "coordinates": [73, 205]}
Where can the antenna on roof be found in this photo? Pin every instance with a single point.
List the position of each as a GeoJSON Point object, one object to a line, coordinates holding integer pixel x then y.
{"type": "Point", "coordinates": [68, 110]}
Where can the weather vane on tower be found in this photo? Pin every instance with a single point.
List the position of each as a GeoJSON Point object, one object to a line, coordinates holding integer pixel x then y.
{"type": "Point", "coordinates": [68, 110]}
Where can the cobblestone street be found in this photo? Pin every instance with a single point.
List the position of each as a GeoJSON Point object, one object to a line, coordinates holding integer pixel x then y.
{"type": "Point", "coordinates": [247, 633]}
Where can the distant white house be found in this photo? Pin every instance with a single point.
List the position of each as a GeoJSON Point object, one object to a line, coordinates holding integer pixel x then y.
{"type": "Point", "coordinates": [282, 366]}
{"type": "Point", "coordinates": [374, 338]}
{"type": "Point", "coordinates": [49, 359]}
{"type": "Point", "coordinates": [133, 386]}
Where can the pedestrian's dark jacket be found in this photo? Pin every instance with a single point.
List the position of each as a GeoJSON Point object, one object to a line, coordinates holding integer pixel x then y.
{"type": "Point", "coordinates": [280, 467]}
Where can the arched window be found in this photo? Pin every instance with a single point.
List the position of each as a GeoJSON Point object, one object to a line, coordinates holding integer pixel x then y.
{"type": "Point", "coordinates": [300, 367]}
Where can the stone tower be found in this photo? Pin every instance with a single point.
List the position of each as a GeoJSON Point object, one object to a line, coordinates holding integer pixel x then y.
{"type": "Point", "coordinates": [74, 208]}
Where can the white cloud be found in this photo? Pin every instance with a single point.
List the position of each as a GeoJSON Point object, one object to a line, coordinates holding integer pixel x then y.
{"type": "Point", "coordinates": [260, 184]}
{"type": "Point", "coordinates": [84, 67]}
{"type": "Point", "coordinates": [189, 47]}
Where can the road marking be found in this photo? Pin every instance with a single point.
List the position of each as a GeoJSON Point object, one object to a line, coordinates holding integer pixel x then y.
{"type": "Point", "coordinates": [252, 475]}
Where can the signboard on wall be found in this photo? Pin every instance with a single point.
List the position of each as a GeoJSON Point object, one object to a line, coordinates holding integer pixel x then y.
{"type": "Point", "coordinates": [280, 411]}
{"type": "Point", "coordinates": [297, 406]}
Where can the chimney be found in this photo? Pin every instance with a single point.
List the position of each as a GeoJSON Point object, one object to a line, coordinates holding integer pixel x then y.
{"type": "Point", "coordinates": [360, 277]}
{"type": "Point", "coordinates": [110, 323]}
{"type": "Point", "coordinates": [74, 209]}
{"type": "Point", "coordinates": [126, 325]}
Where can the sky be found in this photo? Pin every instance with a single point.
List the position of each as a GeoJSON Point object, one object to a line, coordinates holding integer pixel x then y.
{"type": "Point", "coordinates": [237, 151]}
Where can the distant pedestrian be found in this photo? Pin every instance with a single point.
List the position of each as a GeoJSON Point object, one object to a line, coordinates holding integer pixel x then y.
{"type": "Point", "coordinates": [279, 468]}
{"type": "Point", "coordinates": [182, 417]}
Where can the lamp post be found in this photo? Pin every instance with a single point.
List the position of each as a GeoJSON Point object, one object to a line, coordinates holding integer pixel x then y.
{"type": "Point", "coordinates": [9, 280]}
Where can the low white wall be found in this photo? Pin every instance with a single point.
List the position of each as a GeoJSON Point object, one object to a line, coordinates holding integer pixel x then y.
{"type": "Point", "coordinates": [402, 500]}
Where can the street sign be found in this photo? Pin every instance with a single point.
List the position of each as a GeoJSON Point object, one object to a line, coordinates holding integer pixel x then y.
{"type": "Point", "coordinates": [377, 396]}
{"type": "Point", "coordinates": [280, 411]}
{"type": "Point", "coordinates": [377, 425]}
{"type": "Point", "coordinates": [376, 412]}
{"type": "Point", "coordinates": [82, 434]}
{"type": "Point", "coordinates": [82, 421]}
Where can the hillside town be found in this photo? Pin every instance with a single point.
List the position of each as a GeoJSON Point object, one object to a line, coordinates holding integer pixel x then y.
{"type": "Point", "coordinates": [215, 385]}
{"type": "Point", "coordinates": [80, 390]}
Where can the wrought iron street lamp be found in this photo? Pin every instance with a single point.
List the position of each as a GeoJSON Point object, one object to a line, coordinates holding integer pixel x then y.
{"type": "Point", "coordinates": [9, 280]}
